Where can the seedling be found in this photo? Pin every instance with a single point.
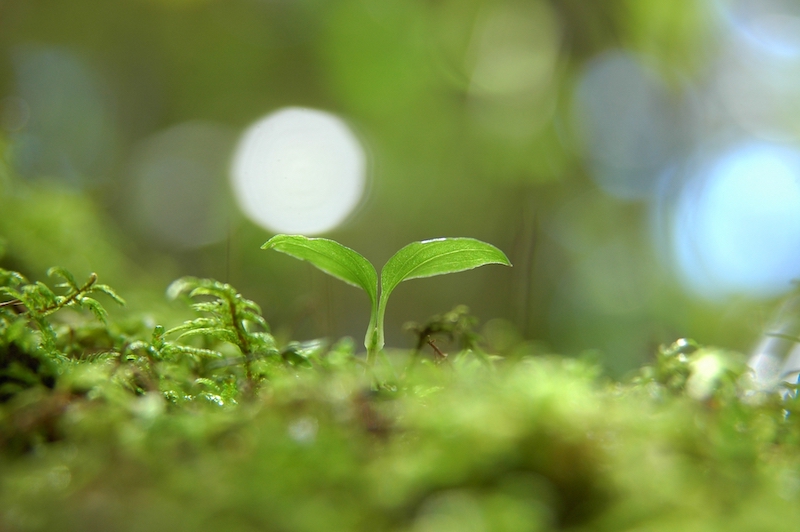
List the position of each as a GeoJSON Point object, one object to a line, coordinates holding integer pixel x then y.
{"type": "Point", "coordinates": [418, 259]}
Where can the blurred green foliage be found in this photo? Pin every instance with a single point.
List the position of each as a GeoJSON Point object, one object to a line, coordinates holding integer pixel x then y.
{"type": "Point", "coordinates": [460, 143]}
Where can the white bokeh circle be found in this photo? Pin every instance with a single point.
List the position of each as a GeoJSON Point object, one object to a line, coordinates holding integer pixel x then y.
{"type": "Point", "coordinates": [299, 171]}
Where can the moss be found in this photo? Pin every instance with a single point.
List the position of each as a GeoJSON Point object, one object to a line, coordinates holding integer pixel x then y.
{"type": "Point", "coordinates": [123, 427]}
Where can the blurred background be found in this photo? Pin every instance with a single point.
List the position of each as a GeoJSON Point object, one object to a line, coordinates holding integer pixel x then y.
{"type": "Point", "coordinates": [637, 160]}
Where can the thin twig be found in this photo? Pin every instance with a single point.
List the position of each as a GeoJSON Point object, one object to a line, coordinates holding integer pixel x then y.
{"type": "Point", "coordinates": [442, 356]}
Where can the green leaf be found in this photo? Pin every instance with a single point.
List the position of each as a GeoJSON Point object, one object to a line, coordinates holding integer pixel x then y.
{"type": "Point", "coordinates": [247, 304]}
{"type": "Point", "coordinates": [218, 291]}
{"type": "Point", "coordinates": [179, 286]}
{"type": "Point", "coordinates": [215, 306]}
{"type": "Point", "coordinates": [171, 348]}
{"type": "Point", "coordinates": [217, 333]}
{"type": "Point", "coordinates": [56, 271]}
{"type": "Point", "coordinates": [107, 290]}
{"type": "Point", "coordinates": [254, 318]}
{"type": "Point", "coordinates": [197, 323]}
{"type": "Point", "coordinates": [94, 307]}
{"type": "Point", "coordinates": [208, 383]}
{"type": "Point", "coordinates": [434, 257]}
{"type": "Point", "coordinates": [437, 257]}
{"type": "Point", "coordinates": [330, 257]}
{"type": "Point", "coordinates": [10, 292]}
{"type": "Point", "coordinates": [10, 278]}
{"type": "Point", "coordinates": [45, 292]}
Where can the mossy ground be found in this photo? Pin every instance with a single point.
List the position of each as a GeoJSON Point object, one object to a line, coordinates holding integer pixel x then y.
{"type": "Point", "coordinates": [124, 426]}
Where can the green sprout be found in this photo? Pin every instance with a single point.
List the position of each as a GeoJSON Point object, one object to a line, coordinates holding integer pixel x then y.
{"type": "Point", "coordinates": [418, 259]}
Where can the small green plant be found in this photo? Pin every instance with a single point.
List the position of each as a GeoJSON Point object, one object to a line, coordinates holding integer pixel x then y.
{"type": "Point", "coordinates": [33, 350]}
{"type": "Point", "coordinates": [227, 317]}
{"type": "Point", "coordinates": [418, 259]}
{"type": "Point", "coordinates": [38, 301]}
{"type": "Point", "coordinates": [41, 346]}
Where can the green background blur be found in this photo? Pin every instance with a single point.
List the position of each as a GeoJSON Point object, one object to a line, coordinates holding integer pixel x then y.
{"type": "Point", "coordinates": [464, 107]}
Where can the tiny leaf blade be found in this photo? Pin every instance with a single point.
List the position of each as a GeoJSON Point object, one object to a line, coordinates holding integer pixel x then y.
{"type": "Point", "coordinates": [332, 258]}
{"type": "Point", "coordinates": [437, 257]}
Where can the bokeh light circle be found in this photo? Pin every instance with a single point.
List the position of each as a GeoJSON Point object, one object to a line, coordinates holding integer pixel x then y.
{"type": "Point", "coordinates": [771, 25]}
{"type": "Point", "coordinates": [736, 228]}
{"type": "Point", "coordinates": [300, 171]}
{"type": "Point", "coordinates": [178, 195]}
{"type": "Point", "coordinates": [626, 122]}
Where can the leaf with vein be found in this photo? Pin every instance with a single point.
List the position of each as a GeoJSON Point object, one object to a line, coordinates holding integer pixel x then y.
{"type": "Point", "coordinates": [330, 257]}
{"type": "Point", "coordinates": [437, 257]}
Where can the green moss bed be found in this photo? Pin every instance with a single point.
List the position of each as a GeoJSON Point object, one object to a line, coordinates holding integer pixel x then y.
{"type": "Point", "coordinates": [123, 425]}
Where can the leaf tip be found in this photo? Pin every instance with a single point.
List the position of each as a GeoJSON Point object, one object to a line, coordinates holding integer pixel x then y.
{"type": "Point", "coordinates": [278, 239]}
{"type": "Point", "coordinates": [270, 243]}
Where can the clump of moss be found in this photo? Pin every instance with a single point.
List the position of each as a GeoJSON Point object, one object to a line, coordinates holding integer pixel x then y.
{"type": "Point", "coordinates": [213, 426]}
